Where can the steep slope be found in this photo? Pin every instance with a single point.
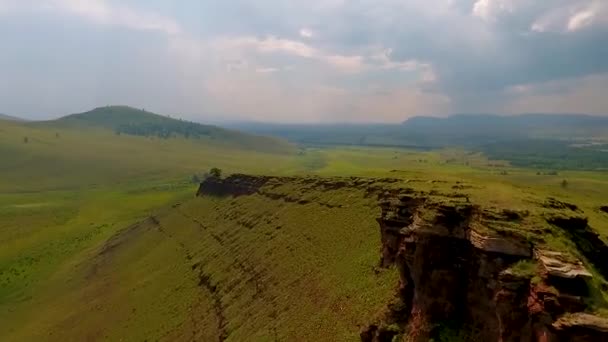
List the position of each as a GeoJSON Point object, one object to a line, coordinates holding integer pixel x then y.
{"type": "Point", "coordinates": [300, 258]}
{"type": "Point", "coordinates": [295, 260]}
{"type": "Point", "coordinates": [473, 273]}
{"type": "Point", "coordinates": [131, 121]}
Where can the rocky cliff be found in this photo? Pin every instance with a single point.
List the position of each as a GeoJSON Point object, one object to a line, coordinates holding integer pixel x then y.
{"type": "Point", "coordinates": [464, 277]}
{"type": "Point", "coordinates": [468, 271]}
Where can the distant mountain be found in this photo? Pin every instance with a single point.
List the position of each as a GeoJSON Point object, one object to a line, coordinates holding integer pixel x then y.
{"type": "Point", "coordinates": [132, 121]}
{"type": "Point", "coordinates": [475, 128]}
{"type": "Point", "coordinates": [10, 118]}
{"type": "Point", "coordinates": [549, 141]}
{"type": "Point", "coordinates": [329, 134]}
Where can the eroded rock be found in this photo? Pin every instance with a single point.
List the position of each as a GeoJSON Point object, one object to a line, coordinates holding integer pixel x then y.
{"type": "Point", "coordinates": [457, 270]}
{"type": "Point", "coordinates": [582, 327]}
{"type": "Point", "coordinates": [557, 264]}
{"type": "Point", "coordinates": [586, 239]}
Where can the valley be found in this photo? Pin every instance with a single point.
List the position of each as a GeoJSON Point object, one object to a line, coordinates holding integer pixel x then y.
{"type": "Point", "coordinates": [105, 238]}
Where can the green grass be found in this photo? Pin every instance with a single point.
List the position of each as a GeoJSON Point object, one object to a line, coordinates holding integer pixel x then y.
{"type": "Point", "coordinates": [280, 269]}
{"type": "Point", "coordinates": [94, 156]}
{"type": "Point", "coordinates": [525, 268]}
{"type": "Point", "coordinates": [132, 121]}
{"type": "Point", "coordinates": [259, 252]}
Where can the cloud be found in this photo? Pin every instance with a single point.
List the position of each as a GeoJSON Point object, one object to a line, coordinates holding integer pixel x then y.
{"type": "Point", "coordinates": [580, 20]}
{"type": "Point", "coordinates": [563, 96]}
{"type": "Point", "coordinates": [320, 59]}
{"type": "Point", "coordinates": [100, 12]}
{"type": "Point", "coordinates": [306, 33]}
{"type": "Point", "coordinates": [372, 58]}
{"type": "Point", "coordinates": [489, 9]}
{"type": "Point", "coordinates": [263, 70]}
{"type": "Point", "coordinates": [572, 16]}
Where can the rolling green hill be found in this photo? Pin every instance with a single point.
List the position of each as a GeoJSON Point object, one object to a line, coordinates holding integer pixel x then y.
{"type": "Point", "coordinates": [131, 121]}
{"type": "Point", "coordinates": [85, 149]}
{"type": "Point", "coordinates": [10, 118]}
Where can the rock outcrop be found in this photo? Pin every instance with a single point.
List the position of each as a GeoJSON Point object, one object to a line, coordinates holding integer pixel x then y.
{"type": "Point", "coordinates": [467, 272]}
{"type": "Point", "coordinates": [235, 185]}
{"type": "Point", "coordinates": [556, 264]}
{"type": "Point", "coordinates": [586, 239]}
{"type": "Point", "coordinates": [462, 278]}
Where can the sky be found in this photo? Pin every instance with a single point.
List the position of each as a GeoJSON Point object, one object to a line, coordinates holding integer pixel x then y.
{"type": "Point", "coordinates": [304, 61]}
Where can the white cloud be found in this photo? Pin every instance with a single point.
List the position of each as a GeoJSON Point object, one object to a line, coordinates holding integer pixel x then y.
{"type": "Point", "coordinates": [384, 60]}
{"type": "Point", "coordinates": [274, 45]}
{"type": "Point", "coordinates": [489, 9]}
{"type": "Point", "coordinates": [351, 64]}
{"type": "Point", "coordinates": [266, 70]}
{"type": "Point", "coordinates": [572, 16]}
{"type": "Point", "coordinates": [580, 20]}
{"type": "Point", "coordinates": [305, 33]}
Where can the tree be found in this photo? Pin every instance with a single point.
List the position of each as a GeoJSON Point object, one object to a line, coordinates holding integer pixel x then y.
{"type": "Point", "coordinates": [215, 172]}
{"type": "Point", "coordinates": [25, 140]}
{"type": "Point", "coordinates": [564, 184]}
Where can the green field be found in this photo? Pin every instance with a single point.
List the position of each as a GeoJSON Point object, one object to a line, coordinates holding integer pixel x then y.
{"type": "Point", "coordinates": [103, 238]}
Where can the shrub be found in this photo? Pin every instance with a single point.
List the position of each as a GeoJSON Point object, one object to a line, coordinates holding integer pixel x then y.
{"type": "Point", "coordinates": [215, 172]}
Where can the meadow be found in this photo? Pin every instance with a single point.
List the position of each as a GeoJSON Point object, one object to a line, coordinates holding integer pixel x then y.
{"type": "Point", "coordinates": [102, 238]}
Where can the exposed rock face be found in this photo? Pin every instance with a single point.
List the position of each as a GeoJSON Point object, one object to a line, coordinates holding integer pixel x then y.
{"type": "Point", "coordinates": [235, 185]}
{"type": "Point", "coordinates": [586, 239]}
{"type": "Point", "coordinates": [581, 327]}
{"type": "Point", "coordinates": [457, 274]}
{"type": "Point", "coordinates": [460, 264]}
{"type": "Point", "coordinates": [557, 265]}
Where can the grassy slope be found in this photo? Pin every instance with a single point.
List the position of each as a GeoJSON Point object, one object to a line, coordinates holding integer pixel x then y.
{"type": "Point", "coordinates": [116, 118]}
{"type": "Point", "coordinates": [61, 199]}
{"type": "Point", "coordinates": [278, 269]}
{"type": "Point", "coordinates": [59, 157]}
{"type": "Point", "coordinates": [10, 118]}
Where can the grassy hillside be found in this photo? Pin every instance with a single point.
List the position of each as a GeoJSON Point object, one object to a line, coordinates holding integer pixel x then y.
{"type": "Point", "coordinates": [251, 268]}
{"type": "Point", "coordinates": [9, 117]}
{"type": "Point", "coordinates": [294, 262]}
{"type": "Point", "coordinates": [42, 156]}
{"type": "Point", "coordinates": [103, 239]}
{"type": "Point", "coordinates": [131, 121]}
